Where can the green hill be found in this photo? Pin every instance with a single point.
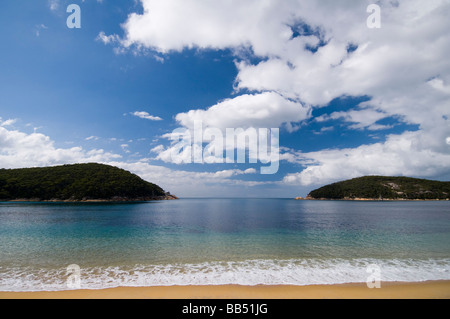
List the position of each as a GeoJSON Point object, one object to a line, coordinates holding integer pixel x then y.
{"type": "Point", "coordinates": [381, 187]}
{"type": "Point", "coordinates": [77, 182]}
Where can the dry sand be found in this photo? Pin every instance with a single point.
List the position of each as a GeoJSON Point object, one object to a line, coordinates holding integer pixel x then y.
{"type": "Point", "coordinates": [423, 290]}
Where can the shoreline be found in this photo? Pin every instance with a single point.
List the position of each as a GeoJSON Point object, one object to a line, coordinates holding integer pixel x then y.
{"type": "Point", "coordinates": [373, 199]}
{"type": "Point", "coordinates": [389, 290]}
{"type": "Point", "coordinates": [140, 200]}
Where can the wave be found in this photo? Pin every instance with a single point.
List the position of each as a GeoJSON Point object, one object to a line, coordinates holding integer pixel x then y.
{"type": "Point", "coordinates": [249, 272]}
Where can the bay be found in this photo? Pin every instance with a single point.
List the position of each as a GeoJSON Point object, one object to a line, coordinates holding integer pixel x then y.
{"type": "Point", "coordinates": [221, 241]}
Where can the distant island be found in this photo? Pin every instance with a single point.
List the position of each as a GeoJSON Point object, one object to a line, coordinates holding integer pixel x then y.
{"type": "Point", "coordinates": [383, 188]}
{"type": "Point", "coordinates": [78, 182]}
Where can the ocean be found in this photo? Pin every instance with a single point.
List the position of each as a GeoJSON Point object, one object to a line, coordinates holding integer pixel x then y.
{"type": "Point", "coordinates": [62, 246]}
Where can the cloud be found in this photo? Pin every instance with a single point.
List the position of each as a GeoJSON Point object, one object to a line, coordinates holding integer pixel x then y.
{"type": "Point", "coordinates": [408, 154]}
{"type": "Point", "coordinates": [102, 37]}
{"type": "Point", "coordinates": [314, 52]}
{"type": "Point", "coordinates": [146, 116]}
{"type": "Point", "coordinates": [187, 183]}
{"type": "Point", "coordinates": [263, 110]}
{"type": "Point", "coordinates": [410, 47]}
{"type": "Point", "coordinates": [7, 122]}
{"type": "Point", "coordinates": [174, 25]}
{"type": "Point", "coordinates": [309, 53]}
{"type": "Point", "coordinates": [439, 85]}
{"type": "Point", "coordinates": [232, 172]}
{"type": "Point", "coordinates": [18, 149]}
{"type": "Point", "coordinates": [361, 119]}
{"type": "Point", "coordinates": [245, 115]}
{"type": "Point", "coordinates": [157, 149]}
{"type": "Point", "coordinates": [53, 4]}
{"type": "Point", "coordinates": [38, 28]}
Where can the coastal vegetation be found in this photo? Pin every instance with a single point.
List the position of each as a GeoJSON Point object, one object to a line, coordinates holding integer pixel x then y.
{"type": "Point", "coordinates": [384, 188]}
{"type": "Point", "coordinates": [78, 182]}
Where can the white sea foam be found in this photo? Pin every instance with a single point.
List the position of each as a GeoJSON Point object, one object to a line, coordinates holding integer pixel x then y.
{"type": "Point", "coordinates": [251, 272]}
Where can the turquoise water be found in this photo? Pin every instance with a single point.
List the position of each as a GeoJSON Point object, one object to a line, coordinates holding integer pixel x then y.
{"type": "Point", "coordinates": [221, 241]}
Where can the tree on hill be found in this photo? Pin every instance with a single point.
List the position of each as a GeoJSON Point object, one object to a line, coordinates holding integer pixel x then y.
{"type": "Point", "coordinates": [75, 182]}
{"type": "Point", "coordinates": [382, 187]}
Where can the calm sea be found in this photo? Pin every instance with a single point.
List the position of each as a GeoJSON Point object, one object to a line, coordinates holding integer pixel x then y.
{"type": "Point", "coordinates": [220, 241]}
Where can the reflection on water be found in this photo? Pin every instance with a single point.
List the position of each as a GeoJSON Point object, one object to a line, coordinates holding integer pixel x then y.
{"type": "Point", "coordinates": [191, 232]}
{"type": "Point", "coordinates": [214, 229]}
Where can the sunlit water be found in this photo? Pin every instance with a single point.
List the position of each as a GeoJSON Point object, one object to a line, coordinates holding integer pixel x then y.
{"type": "Point", "coordinates": [221, 241]}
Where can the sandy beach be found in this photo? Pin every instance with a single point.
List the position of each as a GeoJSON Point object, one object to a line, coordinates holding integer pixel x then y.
{"type": "Point", "coordinates": [423, 290]}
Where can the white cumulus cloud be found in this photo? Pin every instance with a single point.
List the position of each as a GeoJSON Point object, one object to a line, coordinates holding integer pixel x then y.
{"type": "Point", "coordinates": [312, 52]}
{"type": "Point", "coordinates": [19, 149]}
{"type": "Point", "coordinates": [266, 110]}
{"type": "Point", "coordinates": [146, 116]}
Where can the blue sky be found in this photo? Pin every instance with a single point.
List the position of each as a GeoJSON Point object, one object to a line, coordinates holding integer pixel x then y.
{"type": "Point", "coordinates": [348, 100]}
